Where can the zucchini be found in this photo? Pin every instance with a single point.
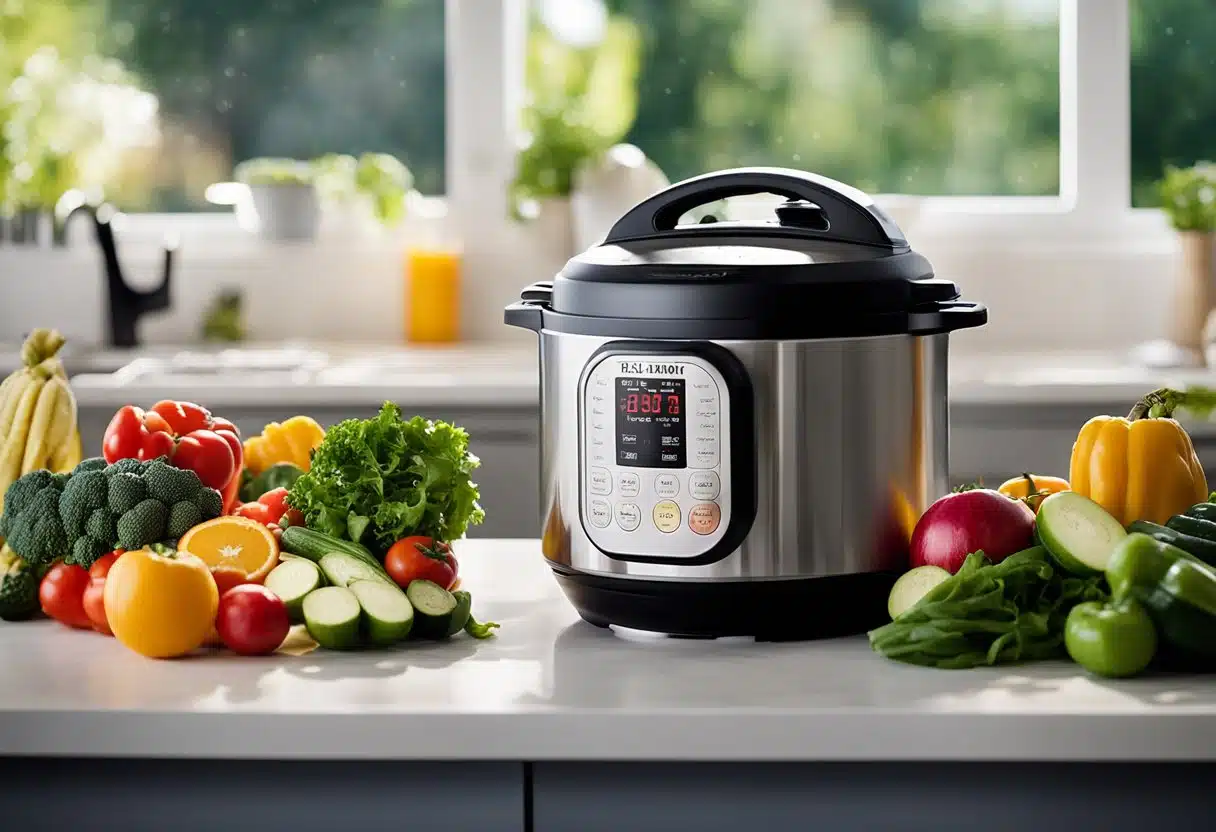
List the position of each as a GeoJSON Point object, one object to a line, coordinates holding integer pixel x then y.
{"type": "Point", "coordinates": [1204, 550]}
{"type": "Point", "coordinates": [332, 615]}
{"type": "Point", "coordinates": [1204, 511]}
{"type": "Point", "coordinates": [912, 586]}
{"type": "Point", "coordinates": [1077, 532]}
{"type": "Point", "coordinates": [342, 569]}
{"type": "Point", "coordinates": [387, 613]}
{"type": "Point", "coordinates": [1183, 606]}
{"type": "Point", "coordinates": [314, 545]}
{"type": "Point", "coordinates": [291, 581]}
{"type": "Point", "coordinates": [1194, 526]}
{"type": "Point", "coordinates": [434, 607]}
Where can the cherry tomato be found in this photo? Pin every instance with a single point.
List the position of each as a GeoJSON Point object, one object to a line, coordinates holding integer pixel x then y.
{"type": "Point", "coordinates": [94, 594]}
{"type": "Point", "coordinates": [207, 454]}
{"type": "Point", "coordinates": [421, 558]}
{"type": "Point", "coordinates": [252, 620]}
{"type": "Point", "coordinates": [124, 437]}
{"type": "Point", "coordinates": [183, 417]}
{"type": "Point", "coordinates": [61, 595]}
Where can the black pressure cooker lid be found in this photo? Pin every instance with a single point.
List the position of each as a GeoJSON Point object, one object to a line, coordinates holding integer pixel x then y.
{"type": "Point", "coordinates": [828, 263]}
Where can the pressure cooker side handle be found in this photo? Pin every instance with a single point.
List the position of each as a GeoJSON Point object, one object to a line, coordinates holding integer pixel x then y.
{"type": "Point", "coordinates": [852, 216]}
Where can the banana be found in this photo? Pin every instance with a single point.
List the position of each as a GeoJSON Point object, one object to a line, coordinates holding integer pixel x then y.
{"type": "Point", "coordinates": [12, 453]}
{"type": "Point", "coordinates": [63, 418]}
{"type": "Point", "coordinates": [40, 441]}
{"type": "Point", "coordinates": [68, 455]}
{"type": "Point", "coordinates": [14, 387]}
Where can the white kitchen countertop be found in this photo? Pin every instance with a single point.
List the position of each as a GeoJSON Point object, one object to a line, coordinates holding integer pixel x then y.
{"type": "Point", "coordinates": [552, 687]}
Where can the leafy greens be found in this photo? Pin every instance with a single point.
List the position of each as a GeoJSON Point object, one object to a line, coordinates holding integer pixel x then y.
{"type": "Point", "coordinates": [377, 480]}
{"type": "Point", "coordinates": [989, 614]}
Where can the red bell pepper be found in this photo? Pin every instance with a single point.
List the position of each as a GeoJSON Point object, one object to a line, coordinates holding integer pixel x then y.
{"type": "Point", "coordinates": [185, 433]}
{"type": "Point", "coordinates": [270, 510]}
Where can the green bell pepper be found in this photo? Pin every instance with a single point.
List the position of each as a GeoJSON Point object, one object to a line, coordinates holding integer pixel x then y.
{"type": "Point", "coordinates": [279, 475]}
{"type": "Point", "coordinates": [1138, 564]}
{"type": "Point", "coordinates": [1114, 639]}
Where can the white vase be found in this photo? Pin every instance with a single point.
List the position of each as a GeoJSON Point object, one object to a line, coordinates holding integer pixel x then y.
{"type": "Point", "coordinates": [286, 212]}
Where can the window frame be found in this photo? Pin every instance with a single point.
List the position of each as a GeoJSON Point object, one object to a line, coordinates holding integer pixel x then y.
{"type": "Point", "coordinates": [484, 57]}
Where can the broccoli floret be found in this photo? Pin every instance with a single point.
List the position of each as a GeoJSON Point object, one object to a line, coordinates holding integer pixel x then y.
{"type": "Point", "coordinates": [143, 524]}
{"type": "Point", "coordinates": [36, 532]}
{"type": "Point", "coordinates": [126, 492]}
{"type": "Point", "coordinates": [209, 502]}
{"type": "Point", "coordinates": [171, 485]}
{"type": "Point", "coordinates": [18, 587]}
{"type": "Point", "coordinates": [183, 517]}
{"type": "Point", "coordinates": [84, 493]}
{"type": "Point", "coordinates": [102, 525]}
{"type": "Point", "coordinates": [124, 466]}
{"type": "Point", "coordinates": [86, 550]}
{"type": "Point", "coordinates": [21, 494]}
{"type": "Point", "coordinates": [94, 464]}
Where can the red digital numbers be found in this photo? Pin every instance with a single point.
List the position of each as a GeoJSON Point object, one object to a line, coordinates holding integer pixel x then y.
{"type": "Point", "coordinates": [651, 403]}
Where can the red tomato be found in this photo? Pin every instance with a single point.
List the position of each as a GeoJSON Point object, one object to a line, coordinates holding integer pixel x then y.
{"type": "Point", "coordinates": [124, 437]}
{"type": "Point", "coordinates": [183, 417]}
{"type": "Point", "coordinates": [421, 558]}
{"type": "Point", "coordinates": [94, 602]}
{"type": "Point", "coordinates": [252, 620]}
{"type": "Point", "coordinates": [294, 517]}
{"type": "Point", "coordinates": [155, 423]}
{"type": "Point", "coordinates": [157, 444]}
{"type": "Point", "coordinates": [218, 424]}
{"type": "Point", "coordinates": [207, 454]}
{"type": "Point", "coordinates": [61, 595]}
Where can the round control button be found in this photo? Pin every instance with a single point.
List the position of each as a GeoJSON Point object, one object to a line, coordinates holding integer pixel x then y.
{"type": "Point", "coordinates": [601, 514]}
{"type": "Point", "coordinates": [704, 485]}
{"type": "Point", "coordinates": [628, 516]}
{"type": "Point", "coordinates": [704, 518]}
{"type": "Point", "coordinates": [600, 481]}
{"type": "Point", "coordinates": [667, 485]}
{"type": "Point", "coordinates": [666, 516]}
{"type": "Point", "coordinates": [629, 484]}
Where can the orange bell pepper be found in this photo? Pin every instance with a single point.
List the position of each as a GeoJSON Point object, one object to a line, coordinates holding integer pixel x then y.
{"type": "Point", "coordinates": [1032, 488]}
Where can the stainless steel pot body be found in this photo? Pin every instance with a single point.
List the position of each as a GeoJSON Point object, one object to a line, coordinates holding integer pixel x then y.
{"type": "Point", "coordinates": [849, 446]}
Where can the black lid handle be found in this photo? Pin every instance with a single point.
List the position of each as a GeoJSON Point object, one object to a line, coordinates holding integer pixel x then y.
{"type": "Point", "coordinates": [851, 215]}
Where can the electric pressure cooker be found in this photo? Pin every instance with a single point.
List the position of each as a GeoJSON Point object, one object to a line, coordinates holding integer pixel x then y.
{"type": "Point", "coordinates": [741, 421]}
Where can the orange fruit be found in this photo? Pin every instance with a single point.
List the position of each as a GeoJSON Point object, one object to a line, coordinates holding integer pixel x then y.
{"type": "Point", "coordinates": [160, 606]}
{"type": "Point", "coordinates": [236, 549]}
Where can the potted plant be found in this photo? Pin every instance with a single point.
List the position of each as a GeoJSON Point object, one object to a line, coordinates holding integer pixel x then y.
{"type": "Point", "coordinates": [372, 187]}
{"type": "Point", "coordinates": [1188, 197]}
{"type": "Point", "coordinates": [284, 196]}
{"type": "Point", "coordinates": [581, 102]}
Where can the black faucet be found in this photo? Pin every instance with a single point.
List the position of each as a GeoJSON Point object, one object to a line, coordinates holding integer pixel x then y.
{"type": "Point", "coordinates": [125, 305]}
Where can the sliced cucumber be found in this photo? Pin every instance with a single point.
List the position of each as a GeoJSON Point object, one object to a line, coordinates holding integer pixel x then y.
{"type": "Point", "coordinates": [434, 607]}
{"type": "Point", "coordinates": [292, 580]}
{"type": "Point", "coordinates": [912, 586]}
{"type": "Point", "coordinates": [332, 616]}
{"type": "Point", "coordinates": [1077, 532]}
{"type": "Point", "coordinates": [387, 613]}
{"type": "Point", "coordinates": [340, 569]}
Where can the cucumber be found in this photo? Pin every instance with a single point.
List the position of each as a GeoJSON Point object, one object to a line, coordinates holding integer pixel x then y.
{"type": "Point", "coordinates": [1205, 550]}
{"type": "Point", "coordinates": [387, 613]}
{"type": "Point", "coordinates": [292, 580]}
{"type": "Point", "coordinates": [912, 586]}
{"type": "Point", "coordinates": [332, 615]}
{"type": "Point", "coordinates": [1204, 511]}
{"type": "Point", "coordinates": [315, 545]}
{"type": "Point", "coordinates": [460, 615]}
{"type": "Point", "coordinates": [1183, 606]}
{"type": "Point", "coordinates": [433, 608]}
{"type": "Point", "coordinates": [1077, 532]}
{"type": "Point", "coordinates": [1194, 526]}
{"type": "Point", "coordinates": [341, 569]}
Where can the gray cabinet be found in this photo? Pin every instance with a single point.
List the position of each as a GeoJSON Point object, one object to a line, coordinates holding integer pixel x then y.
{"type": "Point", "coordinates": [505, 439]}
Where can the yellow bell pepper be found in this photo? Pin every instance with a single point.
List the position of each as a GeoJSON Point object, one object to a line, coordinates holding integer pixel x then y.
{"type": "Point", "coordinates": [1032, 489]}
{"type": "Point", "coordinates": [293, 442]}
{"type": "Point", "coordinates": [1143, 467]}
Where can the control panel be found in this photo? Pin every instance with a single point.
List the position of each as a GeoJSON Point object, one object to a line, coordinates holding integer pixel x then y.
{"type": "Point", "coordinates": [655, 467]}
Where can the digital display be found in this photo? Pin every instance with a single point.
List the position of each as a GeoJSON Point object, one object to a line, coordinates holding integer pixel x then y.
{"type": "Point", "coordinates": [650, 422]}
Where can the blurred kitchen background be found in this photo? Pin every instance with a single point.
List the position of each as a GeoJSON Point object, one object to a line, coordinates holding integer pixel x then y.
{"type": "Point", "coordinates": [313, 205]}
